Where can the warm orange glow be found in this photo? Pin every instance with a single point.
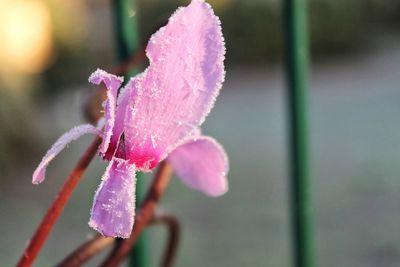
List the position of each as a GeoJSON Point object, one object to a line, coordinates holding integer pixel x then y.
{"type": "Point", "coordinates": [25, 36]}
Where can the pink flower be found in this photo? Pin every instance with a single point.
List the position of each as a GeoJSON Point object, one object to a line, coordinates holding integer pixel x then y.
{"type": "Point", "coordinates": [157, 116]}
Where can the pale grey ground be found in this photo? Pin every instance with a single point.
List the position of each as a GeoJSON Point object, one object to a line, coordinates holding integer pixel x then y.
{"type": "Point", "coordinates": [355, 110]}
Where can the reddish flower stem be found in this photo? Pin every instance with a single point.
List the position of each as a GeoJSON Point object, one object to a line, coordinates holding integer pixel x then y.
{"type": "Point", "coordinates": [144, 217]}
{"type": "Point", "coordinates": [45, 227]}
{"type": "Point", "coordinates": [173, 238]}
{"type": "Point", "coordinates": [47, 224]}
{"type": "Point", "coordinates": [86, 251]}
{"type": "Point", "coordinates": [98, 243]}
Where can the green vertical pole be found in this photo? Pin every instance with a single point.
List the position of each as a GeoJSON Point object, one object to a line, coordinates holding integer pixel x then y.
{"type": "Point", "coordinates": [127, 36]}
{"type": "Point", "coordinates": [126, 28]}
{"type": "Point", "coordinates": [296, 52]}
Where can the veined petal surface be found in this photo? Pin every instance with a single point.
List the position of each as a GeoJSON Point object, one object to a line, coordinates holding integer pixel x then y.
{"type": "Point", "coordinates": [59, 145]}
{"type": "Point", "coordinates": [178, 89]}
{"type": "Point", "coordinates": [201, 164]}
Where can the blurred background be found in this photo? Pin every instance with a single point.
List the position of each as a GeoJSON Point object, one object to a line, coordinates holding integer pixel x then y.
{"type": "Point", "coordinates": [48, 48]}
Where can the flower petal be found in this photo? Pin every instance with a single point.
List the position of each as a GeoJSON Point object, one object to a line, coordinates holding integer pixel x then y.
{"type": "Point", "coordinates": [73, 134]}
{"type": "Point", "coordinates": [113, 207]}
{"type": "Point", "coordinates": [202, 164]}
{"type": "Point", "coordinates": [112, 83]}
{"type": "Point", "coordinates": [123, 104]}
{"type": "Point", "coordinates": [180, 86]}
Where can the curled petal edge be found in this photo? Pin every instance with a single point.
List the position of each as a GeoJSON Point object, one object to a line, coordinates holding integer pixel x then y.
{"type": "Point", "coordinates": [202, 164]}
{"type": "Point", "coordinates": [59, 145]}
{"type": "Point", "coordinates": [112, 83]}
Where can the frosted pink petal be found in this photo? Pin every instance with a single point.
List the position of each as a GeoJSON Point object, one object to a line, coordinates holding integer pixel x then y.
{"type": "Point", "coordinates": [112, 83]}
{"type": "Point", "coordinates": [127, 93]}
{"type": "Point", "coordinates": [201, 164]}
{"type": "Point", "coordinates": [179, 88]}
{"type": "Point", "coordinates": [113, 207]}
{"type": "Point", "coordinates": [73, 134]}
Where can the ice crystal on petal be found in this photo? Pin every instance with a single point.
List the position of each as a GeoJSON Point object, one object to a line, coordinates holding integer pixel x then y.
{"type": "Point", "coordinates": [175, 94]}
{"type": "Point", "coordinates": [112, 83]}
{"type": "Point", "coordinates": [59, 145]}
{"type": "Point", "coordinates": [158, 112]}
{"type": "Point", "coordinates": [202, 164]}
{"type": "Point", "coordinates": [113, 208]}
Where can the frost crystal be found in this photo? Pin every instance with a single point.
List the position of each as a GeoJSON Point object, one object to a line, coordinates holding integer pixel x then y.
{"type": "Point", "coordinates": [158, 114]}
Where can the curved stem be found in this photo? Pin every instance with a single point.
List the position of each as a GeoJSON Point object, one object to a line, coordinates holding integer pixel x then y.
{"type": "Point", "coordinates": [90, 248]}
{"type": "Point", "coordinates": [45, 227]}
{"type": "Point", "coordinates": [144, 216]}
{"type": "Point", "coordinates": [98, 243]}
{"type": "Point", "coordinates": [86, 251]}
{"type": "Point", "coordinates": [173, 238]}
{"type": "Point", "coordinates": [48, 221]}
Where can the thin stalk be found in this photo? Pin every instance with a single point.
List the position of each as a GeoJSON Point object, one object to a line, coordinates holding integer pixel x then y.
{"type": "Point", "coordinates": [86, 251]}
{"type": "Point", "coordinates": [296, 41]}
{"type": "Point", "coordinates": [172, 240]}
{"type": "Point", "coordinates": [144, 217]}
{"type": "Point", "coordinates": [48, 221]}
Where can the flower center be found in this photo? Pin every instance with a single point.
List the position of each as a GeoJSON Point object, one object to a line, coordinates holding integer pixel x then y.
{"type": "Point", "coordinates": [144, 160]}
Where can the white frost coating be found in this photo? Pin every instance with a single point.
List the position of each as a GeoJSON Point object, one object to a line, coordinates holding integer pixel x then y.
{"type": "Point", "coordinates": [112, 83]}
{"type": "Point", "coordinates": [113, 209]}
{"type": "Point", "coordinates": [177, 91]}
{"type": "Point", "coordinates": [202, 164]}
{"type": "Point", "coordinates": [59, 145]}
{"type": "Point", "coordinates": [99, 75]}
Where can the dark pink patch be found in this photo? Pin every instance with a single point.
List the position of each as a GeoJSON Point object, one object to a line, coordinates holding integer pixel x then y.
{"type": "Point", "coordinates": [144, 160]}
{"type": "Point", "coordinates": [110, 151]}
